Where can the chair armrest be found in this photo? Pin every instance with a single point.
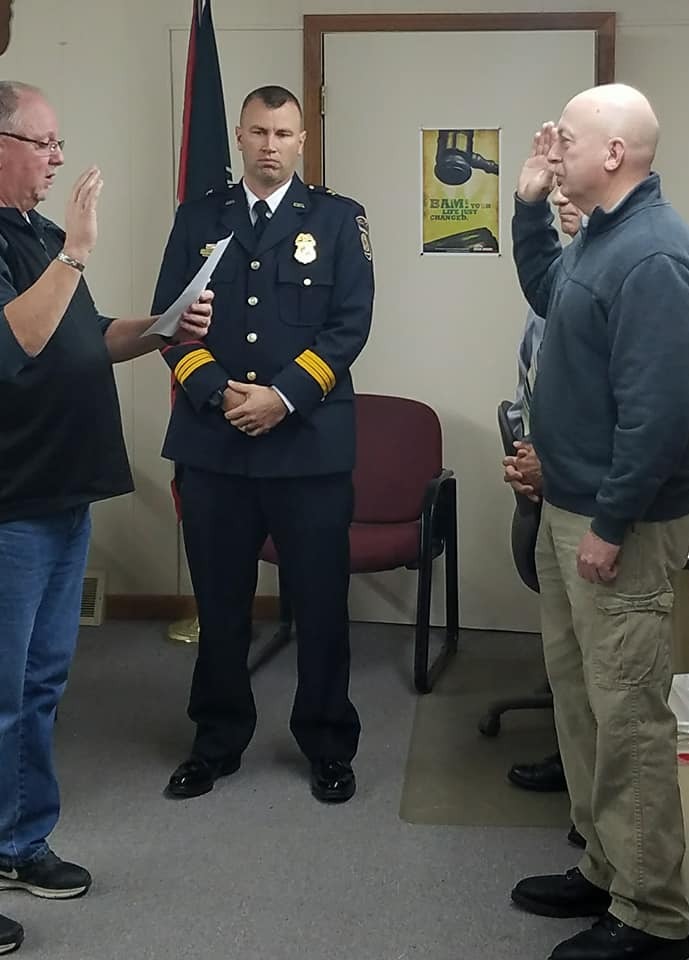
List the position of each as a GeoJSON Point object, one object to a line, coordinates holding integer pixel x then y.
{"type": "Point", "coordinates": [434, 490]}
{"type": "Point", "coordinates": [432, 533]}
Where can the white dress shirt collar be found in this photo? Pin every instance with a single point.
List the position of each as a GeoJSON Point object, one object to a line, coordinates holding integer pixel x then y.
{"type": "Point", "coordinates": [273, 200]}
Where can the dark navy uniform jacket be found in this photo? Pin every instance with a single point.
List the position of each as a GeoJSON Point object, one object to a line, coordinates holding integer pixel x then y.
{"type": "Point", "coordinates": [291, 311]}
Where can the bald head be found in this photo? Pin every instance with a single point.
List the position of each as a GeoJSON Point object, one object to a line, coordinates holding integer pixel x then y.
{"type": "Point", "coordinates": [606, 143]}
{"type": "Point", "coordinates": [619, 112]}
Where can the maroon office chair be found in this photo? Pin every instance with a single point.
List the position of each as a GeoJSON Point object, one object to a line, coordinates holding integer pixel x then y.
{"type": "Point", "coordinates": [405, 515]}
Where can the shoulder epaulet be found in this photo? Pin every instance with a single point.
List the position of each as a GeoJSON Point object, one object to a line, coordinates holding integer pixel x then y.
{"type": "Point", "coordinates": [214, 195]}
{"type": "Point", "coordinates": [221, 191]}
{"type": "Point", "coordinates": [317, 188]}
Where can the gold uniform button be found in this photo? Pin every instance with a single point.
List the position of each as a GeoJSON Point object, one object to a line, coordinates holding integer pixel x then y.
{"type": "Point", "coordinates": [255, 264]}
{"type": "Point", "coordinates": [307, 281]}
{"type": "Point", "coordinates": [251, 337]}
{"type": "Point", "coordinates": [252, 301]}
{"type": "Point", "coordinates": [251, 375]}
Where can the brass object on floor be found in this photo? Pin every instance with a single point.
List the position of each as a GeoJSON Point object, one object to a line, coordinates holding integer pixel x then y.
{"type": "Point", "coordinates": [184, 631]}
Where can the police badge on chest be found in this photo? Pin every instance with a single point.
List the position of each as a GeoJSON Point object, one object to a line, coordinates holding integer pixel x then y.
{"type": "Point", "coordinates": [305, 248]}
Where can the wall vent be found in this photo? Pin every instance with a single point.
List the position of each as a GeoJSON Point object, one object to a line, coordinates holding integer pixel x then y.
{"type": "Point", "coordinates": [93, 599]}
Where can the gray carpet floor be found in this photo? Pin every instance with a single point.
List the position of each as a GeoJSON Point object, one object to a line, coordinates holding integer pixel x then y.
{"type": "Point", "coordinates": [257, 869]}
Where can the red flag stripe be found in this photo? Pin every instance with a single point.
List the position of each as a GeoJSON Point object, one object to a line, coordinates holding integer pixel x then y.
{"type": "Point", "coordinates": [188, 99]}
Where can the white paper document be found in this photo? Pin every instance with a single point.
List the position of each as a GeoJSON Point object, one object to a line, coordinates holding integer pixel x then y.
{"type": "Point", "coordinates": [167, 323]}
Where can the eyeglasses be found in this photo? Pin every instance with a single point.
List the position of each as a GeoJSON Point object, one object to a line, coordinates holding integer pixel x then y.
{"type": "Point", "coordinates": [42, 146]}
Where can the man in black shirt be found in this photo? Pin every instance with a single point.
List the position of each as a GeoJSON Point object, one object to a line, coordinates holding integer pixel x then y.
{"type": "Point", "coordinates": [11, 932]}
{"type": "Point", "coordinates": [61, 448]}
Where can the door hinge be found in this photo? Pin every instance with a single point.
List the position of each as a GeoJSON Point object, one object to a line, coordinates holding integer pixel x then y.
{"type": "Point", "coordinates": [323, 100]}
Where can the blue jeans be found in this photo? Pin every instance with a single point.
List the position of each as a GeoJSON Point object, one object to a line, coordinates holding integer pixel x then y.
{"type": "Point", "coordinates": [42, 563]}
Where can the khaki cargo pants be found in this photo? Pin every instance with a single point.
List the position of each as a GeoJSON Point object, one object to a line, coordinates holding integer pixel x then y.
{"type": "Point", "coordinates": [608, 656]}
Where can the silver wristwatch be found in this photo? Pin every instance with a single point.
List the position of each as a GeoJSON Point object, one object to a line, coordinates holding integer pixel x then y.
{"type": "Point", "coordinates": [71, 262]}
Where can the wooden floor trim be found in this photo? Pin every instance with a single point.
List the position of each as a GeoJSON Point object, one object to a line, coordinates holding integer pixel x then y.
{"type": "Point", "coordinates": [134, 606]}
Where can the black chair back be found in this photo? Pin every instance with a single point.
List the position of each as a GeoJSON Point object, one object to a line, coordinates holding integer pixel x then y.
{"type": "Point", "coordinates": [527, 513]}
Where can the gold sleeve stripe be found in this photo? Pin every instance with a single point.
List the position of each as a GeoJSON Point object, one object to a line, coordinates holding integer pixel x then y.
{"type": "Point", "coordinates": [313, 371]}
{"type": "Point", "coordinates": [191, 358]}
{"type": "Point", "coordinates": [323, 366]}
{"type": "Point", "coordinates": [201, 362]}
{"type": "Point", "coordinates": [187, 365]}
{"type": "Point", "coordinates": [318, 369]}
{"type": "Point", "coordinates": [187, 360]}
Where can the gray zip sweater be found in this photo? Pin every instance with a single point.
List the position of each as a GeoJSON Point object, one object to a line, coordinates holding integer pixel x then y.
{"type": "Point", "coordinates": [610, 414]}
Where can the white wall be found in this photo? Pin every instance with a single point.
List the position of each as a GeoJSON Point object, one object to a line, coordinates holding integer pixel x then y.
{"type": "Point", "coordinates": [106, 65]}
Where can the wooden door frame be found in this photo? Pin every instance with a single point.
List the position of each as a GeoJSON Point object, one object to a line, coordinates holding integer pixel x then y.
{"type": "Point", "coordinates": [316, 26]}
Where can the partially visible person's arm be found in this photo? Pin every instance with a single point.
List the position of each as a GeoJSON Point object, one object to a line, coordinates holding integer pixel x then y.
{"type": "Point", "coordinates": [537, 250]}
{"type": "Point", "coordinates": [192, 364]}
{"type": "Point", "coordinates": [517, 413]}
{"type": "Point", "coordinates": [123, 335]}
{"type": "Point", "coordinates": [33, 316]}
{"type": "Point", "coordinates": [536, 244]}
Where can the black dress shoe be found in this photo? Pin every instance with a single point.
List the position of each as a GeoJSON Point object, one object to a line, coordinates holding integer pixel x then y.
{"type": "Point", "coordinates": [548, 776]}
{"type": "Point", "coordinates": [575, 838]}
{"type": "Point", "coordinates": [332, 781]}
{"type": "Point", "coordinates": [563, 895]}
{"type": "Point", "coordinates": [196, 776]}
{"type": "Point", "coordinates": [11, 935]}
{"type": "Point", "coordinates": [610, 939]}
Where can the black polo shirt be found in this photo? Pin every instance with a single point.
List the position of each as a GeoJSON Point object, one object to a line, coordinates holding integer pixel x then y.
{"type": "Point", "coordinates": [61, 441]}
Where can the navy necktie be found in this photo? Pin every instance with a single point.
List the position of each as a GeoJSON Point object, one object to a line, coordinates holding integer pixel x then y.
{"type": "Point", "coordinates": [263, 214]}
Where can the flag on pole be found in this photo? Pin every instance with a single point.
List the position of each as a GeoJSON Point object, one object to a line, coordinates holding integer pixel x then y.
{"type": "Point", "coordinates": [204, 157]}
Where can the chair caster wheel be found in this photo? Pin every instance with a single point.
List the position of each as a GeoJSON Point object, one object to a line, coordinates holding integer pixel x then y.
{"type": "Point", "coordinates": [489, 725]}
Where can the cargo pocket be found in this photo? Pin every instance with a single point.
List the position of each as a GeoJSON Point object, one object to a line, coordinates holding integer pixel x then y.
{"type": "Point", "coordinates": [632, 641]}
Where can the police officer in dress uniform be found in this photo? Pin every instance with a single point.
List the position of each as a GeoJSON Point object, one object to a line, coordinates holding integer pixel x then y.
{"type": "Point", "coordinates": [263, 428]}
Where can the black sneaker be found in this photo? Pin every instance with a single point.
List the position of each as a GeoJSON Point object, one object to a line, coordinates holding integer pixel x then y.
{"type": "Point", "coordinates": [48, 877]}
{"type": "Point", "coordinates": [11, 935]}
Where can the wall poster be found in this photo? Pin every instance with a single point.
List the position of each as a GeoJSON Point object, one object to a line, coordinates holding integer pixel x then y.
{"type": "Point", "coordinates": [460, 191]}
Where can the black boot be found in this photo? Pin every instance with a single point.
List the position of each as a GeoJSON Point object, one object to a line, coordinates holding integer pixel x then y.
{"type": "Point", "coordinates": [610, 939]}
{"type": "Point", "coordinates": [548, 776]}
{"type": "Point", "coordinates": [563, 895]}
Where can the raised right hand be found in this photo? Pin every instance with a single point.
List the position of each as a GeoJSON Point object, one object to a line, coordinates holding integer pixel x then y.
{"type": "Point", "coordinates": [81, 225]}
{"type": "Point", "coordinates": [536, 179]}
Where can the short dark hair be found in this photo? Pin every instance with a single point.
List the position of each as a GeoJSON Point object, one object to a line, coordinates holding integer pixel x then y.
{"type": "Point", "coordinates": [271, 96]}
